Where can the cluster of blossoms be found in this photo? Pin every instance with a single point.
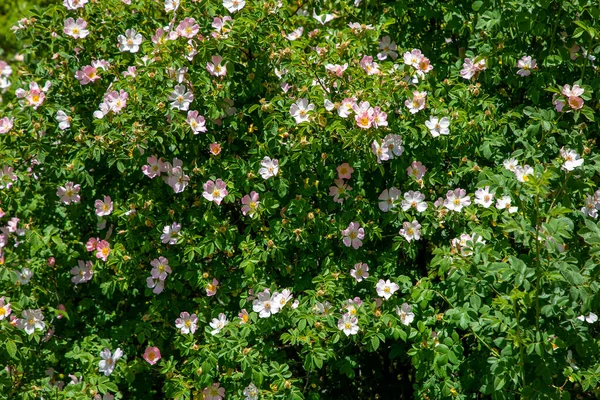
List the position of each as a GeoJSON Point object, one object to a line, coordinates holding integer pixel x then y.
{"type": "Point", "coordinates": [175, 177]}
{"type": "Point", "coordinates": [465, 243]}
{"type": "Point", "coordinates": [472, 67]}
{"type": "Point", "coordinates": [10, 230]}
{"type": "Point", "coordinates": [266, 304]}
{"type": "Point", "coordinates": [339, 191]}
{"type": "Point", "coordinates": [417, 103]}
{"type": "Point", "coordinates": [158, 274]}
{"type": "Point", "coordinates": [419, 63]}
{"type": "Point", "coordinates": [35, 96]}
{"type": "Point", "coordinates": [365, 116]}
{"type": "Point", "coordinates": [569, 96]}
{"type": "Point", "coordinates": [522, 173]}
{"type": "Point", "coordinates": [89, 73]}
{"type": "Point", "coordinates": [83, 272]}
{"type": "Point", "coordinates": [349, 321]}
{"type": "Point", "coordinates": [101, 247]}
{"type": "Point", "coordinates": [389, 148]}
{"type": "Point", "coordinates": [113, 102]}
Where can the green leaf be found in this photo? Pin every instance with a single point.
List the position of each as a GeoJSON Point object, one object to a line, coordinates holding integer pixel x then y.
{"type": "Point", "coordinates": [477, 5]}
{"type": "Point", "coordinates": [11, 349]}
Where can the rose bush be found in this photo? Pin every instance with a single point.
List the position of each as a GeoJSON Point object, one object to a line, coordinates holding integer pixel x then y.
{"type": "Point", "coordinates": [272, 199]}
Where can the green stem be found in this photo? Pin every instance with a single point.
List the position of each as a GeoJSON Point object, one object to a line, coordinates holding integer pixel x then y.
{"type": "Point", "coordinates": [521, 348]}
{"type": "Point", "coordinates": [538, 269]}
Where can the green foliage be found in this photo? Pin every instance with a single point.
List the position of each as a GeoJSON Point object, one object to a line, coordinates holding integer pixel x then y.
{"type": "Point", "coordinates": [487, 300]}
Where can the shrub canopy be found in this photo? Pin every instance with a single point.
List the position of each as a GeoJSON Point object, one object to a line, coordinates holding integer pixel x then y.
{"type": "Point", "coordinates": [301, 200]}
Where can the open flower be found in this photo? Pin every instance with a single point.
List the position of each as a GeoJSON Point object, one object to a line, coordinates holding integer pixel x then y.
{"type": "Point", "coordinates": [300, 109]}
{"type": "Point", "coordinates": [348, 324]}
{"type": "Point", "coordinates": [339, 190]}
{"type": "Point", "coordinates": [250, 204]}
{"type": "Point", "coordinates": [82, 273]}
{"type": "Point", "coordinates": [233, 6]}
{"type": "Point", "coordinates": [411, 231]}
{"type": "Point", "coordinates": [218, 323]}
{"type": "Point", "coordinates": [188, 28]}
{"type": "Point", "coordinates": [152, 355]}
{"type": "Point", "coordinates": [270, 167]}
{"type": "Point", "coordinates": [344, 171]}
{"type": "Point", "coordinates": [215, 392]}
{"type": "Point", "coordinates": [102, 250]}
{"type": "Point", "coordinates": [69, 193]}
{"type": "Point", "coordinates": [388, 199]}
{"type": "Point", "coordinates": [504, 203]}
{"type": "Point", "coordinates": [370, 67]}
{"type": "Point", "coordinates": [5, 309]}
{"type": "Point", "coordinates": [160, 268]}
{"type": "Point", "coordinates": [211, 287]}
{"type": "Point", "coordinates": [197, 122]}
{"type": "Point", "coordinates": [438, 126]}
{"type": "Point", "coordinates": [386, 289]}
{"type": "Point", "coordinates": [171, 233]}
{"type": "Point", "coordinates": [457, 199]}
{"type": "Point", "coordinates": [32, 320]}
{"type": "Point", "coordinates": [417, 103]}
{"type": "Point", "coordinates": [572, 159]}
{"type": "Point", "coordinates": [483, 197]}
{"type": "Point", "coordinates": [76, 29]}
{"type": "Point", "coordinates": [215, 191]}
{"type": "Point", "coordinates": [353, 235]}
{"type": "Point", "coordinates": [64, 121]}
{"type": "Point", "coordinates": [104, 207]}
{"type": "Point", "coordinates": [388, 48]}
{"type": "Point", "coordinates": [525, 65]}
{"type": "Point", "coordinates": [87, 74]}
{"type": "Point", "coordinates": [414, 200]}
{"type": "Point", "coordinates": [405, 313]}
{"type": "Point", "coordinates": [187, 323]}
{"type": "Point", "coordinates": [181, 98]}
{"type": "Point", "coordinates": [109, 361]}
{"type": "Point", "coordinates": [265, 305]}
{"type": "Point", "coordinates": [416, 170]}
{"type": "Point", "coordinates": [360, 271]}
{"type": "Point", "coordinates": [154, 168]}
{"type": "Point", "coordinates": [215, 68]}
{"type": "Point", "coordinates": [130, 42]}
